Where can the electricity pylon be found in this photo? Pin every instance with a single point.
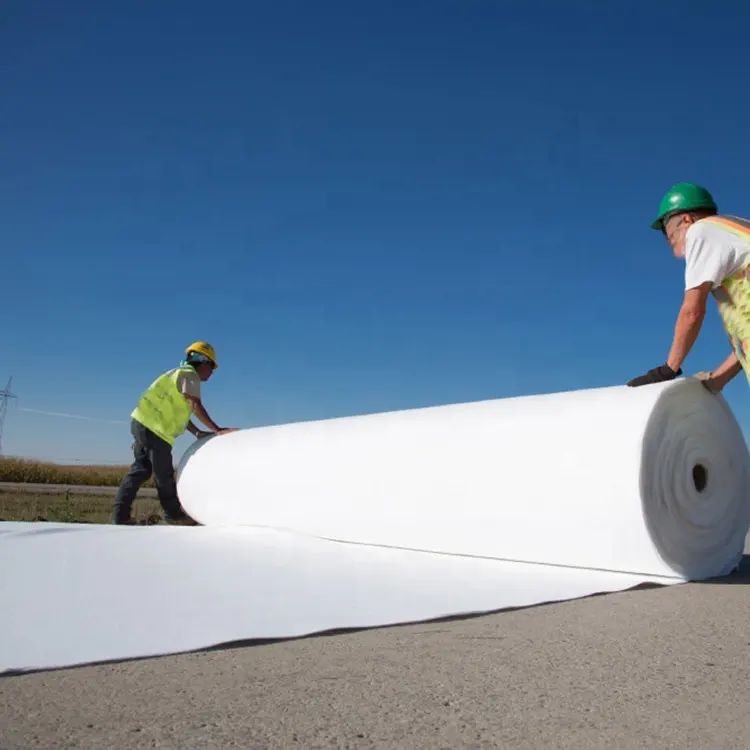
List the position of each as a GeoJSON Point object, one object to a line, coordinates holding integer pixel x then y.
{"type": "Point", "coordinates": [5, 397]}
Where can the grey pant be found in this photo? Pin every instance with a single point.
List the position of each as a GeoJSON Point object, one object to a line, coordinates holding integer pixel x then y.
{"type": "Point", "coordinates": [152, 456]}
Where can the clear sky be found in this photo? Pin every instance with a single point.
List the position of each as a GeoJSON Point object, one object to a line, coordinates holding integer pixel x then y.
{"type": "Point", "coordinates": [363, 206]}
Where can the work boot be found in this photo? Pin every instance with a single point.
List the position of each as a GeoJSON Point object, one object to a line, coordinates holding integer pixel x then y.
{"type": "Point", "coordinates": [181, 520]}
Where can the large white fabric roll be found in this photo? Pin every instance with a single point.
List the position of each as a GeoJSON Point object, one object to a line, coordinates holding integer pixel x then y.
{"type": "Point", "coordinates": [390, 518]}
{"type": "Point", "coordinates": [650, 481]}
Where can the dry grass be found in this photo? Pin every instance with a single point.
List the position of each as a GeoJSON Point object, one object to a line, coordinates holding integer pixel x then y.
{"type": "Point", "coordinates": [68, 507]}
{"type": "Point", "coordinates": [38, 472]}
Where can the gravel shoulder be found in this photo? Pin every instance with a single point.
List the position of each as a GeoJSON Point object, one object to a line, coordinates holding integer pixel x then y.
{"type": "Point", "coordinates": [78, 489]}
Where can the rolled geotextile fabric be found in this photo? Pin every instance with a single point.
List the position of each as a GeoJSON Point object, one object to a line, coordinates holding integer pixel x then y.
{"type": "Point", "coordinates": [392, 518]}
{"type": "Point", "coordinates": [652, 481]}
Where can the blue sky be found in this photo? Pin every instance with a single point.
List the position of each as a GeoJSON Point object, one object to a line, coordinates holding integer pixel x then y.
{"type": "Point", "coordinates": [363, 206]}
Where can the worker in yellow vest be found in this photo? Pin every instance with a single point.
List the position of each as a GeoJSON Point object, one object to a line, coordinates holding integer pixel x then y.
{"type": "Point", "coordinates": [161, 415]}
{"type": "Point", "coordinates": [716, 249]}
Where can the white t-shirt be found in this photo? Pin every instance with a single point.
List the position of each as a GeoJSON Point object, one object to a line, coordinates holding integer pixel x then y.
{"type": "Point", "coordinates": [712, 253]}
{"type": "Point", "coordinates": [189, 383]}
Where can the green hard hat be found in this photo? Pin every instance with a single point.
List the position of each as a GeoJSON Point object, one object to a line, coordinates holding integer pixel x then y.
{"type": "Point", "coordinates": [684, 196]}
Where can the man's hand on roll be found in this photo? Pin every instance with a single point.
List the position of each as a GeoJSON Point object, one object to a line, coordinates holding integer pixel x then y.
{"type": "Point", "coordinates": [656, 375]}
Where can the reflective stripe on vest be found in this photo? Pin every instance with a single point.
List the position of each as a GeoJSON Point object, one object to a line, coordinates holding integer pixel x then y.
{"type": "Point", "coordinates": [162, 408]}
{"type": "Point", "coordinates": [733, 296]}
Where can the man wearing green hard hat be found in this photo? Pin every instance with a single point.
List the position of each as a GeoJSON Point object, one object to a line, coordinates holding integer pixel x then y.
{"type": "Point", "coordinates": [716, 249]}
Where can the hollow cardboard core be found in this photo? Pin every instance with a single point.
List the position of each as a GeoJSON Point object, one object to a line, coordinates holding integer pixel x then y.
{"type": "Point", "coordinates": [700, 477]}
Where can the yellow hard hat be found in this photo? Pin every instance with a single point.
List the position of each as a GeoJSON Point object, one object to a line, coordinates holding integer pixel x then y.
{"type": "Point", "coordinates": [203, 347]}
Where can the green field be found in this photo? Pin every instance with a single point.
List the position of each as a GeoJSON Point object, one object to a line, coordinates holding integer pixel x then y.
{"type": "Point", "coordinates": [38, 472]}
{"type": "Point", "coordinates": [66, 505]}
{"type": "Point", "coordinates": [69, 507]}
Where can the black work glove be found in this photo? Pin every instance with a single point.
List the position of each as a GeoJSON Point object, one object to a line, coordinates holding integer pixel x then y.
{"type": "Point", "coordinates": [656, 375]}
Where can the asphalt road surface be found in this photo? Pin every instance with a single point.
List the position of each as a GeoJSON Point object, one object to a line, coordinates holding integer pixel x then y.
{"type": "Point", "coordinates": [656, 668]}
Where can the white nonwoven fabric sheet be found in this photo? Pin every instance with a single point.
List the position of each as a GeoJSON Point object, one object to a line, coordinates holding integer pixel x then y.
{"type": "Point", "coordinates": [392, 518]}
{"type": "Point", "coordinates": [77, 594]}
{"type": "Point", "coordinates": [651, 481]}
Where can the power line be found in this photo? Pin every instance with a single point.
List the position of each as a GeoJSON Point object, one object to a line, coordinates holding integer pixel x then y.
{"type": "Point", "coordinates": [5, 396]}
{"type": "Point", "coordinates": [71, 416]}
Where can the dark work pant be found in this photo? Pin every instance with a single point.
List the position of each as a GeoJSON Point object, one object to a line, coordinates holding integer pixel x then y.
{"type": "Point", "coordinates": [152, 456]}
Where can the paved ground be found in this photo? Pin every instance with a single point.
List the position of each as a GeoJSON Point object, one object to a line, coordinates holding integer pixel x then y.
{"type": "Point", "coordinates": [659, 668]}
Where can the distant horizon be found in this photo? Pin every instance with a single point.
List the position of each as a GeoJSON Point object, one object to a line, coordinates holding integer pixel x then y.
{"type": "Point", "coordinates": [184, 442]}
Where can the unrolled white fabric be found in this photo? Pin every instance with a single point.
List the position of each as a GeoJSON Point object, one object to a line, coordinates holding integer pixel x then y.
{"type": "Point", "coordinates": [79, 594]}
{"type": "Point", "coordinates": [392, 518]}
{"type": "Point", "coordinates": [607, 479]}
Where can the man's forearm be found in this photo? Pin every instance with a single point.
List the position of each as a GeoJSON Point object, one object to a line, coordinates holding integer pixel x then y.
{"type": "Point", "coordinates": [728, 369]}
{"type": "Point", "coordinates": [200, 411]}
{"type": "Point", "coordinates": [687, 328]}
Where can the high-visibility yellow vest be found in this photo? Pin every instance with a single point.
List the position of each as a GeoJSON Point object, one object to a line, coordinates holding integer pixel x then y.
{"type": "Point", "coordinates": [162, 408]}
{"type": "Point", "coordinates": [733, 296]}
